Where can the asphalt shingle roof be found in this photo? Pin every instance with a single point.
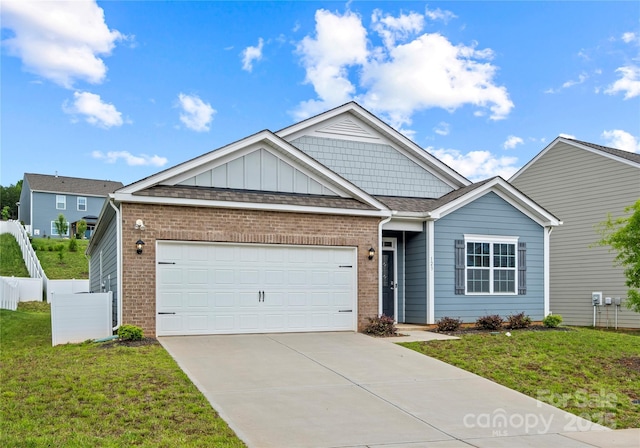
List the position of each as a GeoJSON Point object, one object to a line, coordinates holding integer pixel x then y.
{"type": "Point", "coordinates": [632, 156]}
{"type": "Point", "coordinates": [260, 197]}
{"type": "Point", "coordinates": [71, 185]}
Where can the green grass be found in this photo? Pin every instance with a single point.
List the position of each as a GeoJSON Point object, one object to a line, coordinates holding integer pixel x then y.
{"type": "Point", "coordinates": [591, 373]}
{"type": "Point", "coordinates": [11, 263]}
{"type": "Point", "coordinates": [95, 395]}
{"type": "Point", "coordinates": [72, 264]}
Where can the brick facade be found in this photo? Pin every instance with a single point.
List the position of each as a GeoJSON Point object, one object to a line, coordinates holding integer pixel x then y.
{"type": "Point", "coordinates": [168, 222]}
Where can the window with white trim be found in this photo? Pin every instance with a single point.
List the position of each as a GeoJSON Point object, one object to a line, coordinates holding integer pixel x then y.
{"type": "Point", "coordinates": [61, 202]}
{"type": "Point", "coordinates": [491, 265]}
{"type": "Point", "coordinates": [54, 231]}
{"type": "Point", "coordinates": [82, 204]}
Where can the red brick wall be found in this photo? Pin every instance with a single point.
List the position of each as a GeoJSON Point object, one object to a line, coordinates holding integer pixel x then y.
{"type": "Point", "coordinates": [168, 222]}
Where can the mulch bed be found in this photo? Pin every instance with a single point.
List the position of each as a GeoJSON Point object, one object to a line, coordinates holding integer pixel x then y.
{"type": "Point", "coordinates": [121, 343]}
{"type": "Point", "coordinates": [472, 330]}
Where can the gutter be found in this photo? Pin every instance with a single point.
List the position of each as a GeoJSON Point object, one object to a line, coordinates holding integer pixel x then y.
{"type": "Point", "coordinates": [380, 224]}
{"type": "Point", "coordinates": [118, 263]}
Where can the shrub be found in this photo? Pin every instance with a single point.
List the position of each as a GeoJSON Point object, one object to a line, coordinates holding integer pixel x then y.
{"type": "Point", "coordinates": [381, 326]}
{"type": "Point", "coordinates": [73, 245]}
{"type": "Point", "coordinates": [448, 324]}
{"type": "Point", "coordinates": [516, 321]}
{"type": "Point", "coordinates": [552, 320]}
{"type": "Point", "coordinates": [489, 322]}
{"type": "Point", "coordinates": [130, 333]}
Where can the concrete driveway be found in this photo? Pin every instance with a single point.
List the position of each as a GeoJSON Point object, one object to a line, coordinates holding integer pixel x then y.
{"type": "Point", "coordinates": [351, 390]}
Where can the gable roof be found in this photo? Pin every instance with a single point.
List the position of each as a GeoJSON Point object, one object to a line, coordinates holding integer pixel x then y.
{"type": "Point", "coordinates": [72, 185]}
{"type": "Point", "coordinates": [618, 155]}
{"type": "Point", "coordinates": [400, 142]}
{"type": "Point", "coordinates": [438, 208]}
{"type": "Point", "coordinates": [164, 187]}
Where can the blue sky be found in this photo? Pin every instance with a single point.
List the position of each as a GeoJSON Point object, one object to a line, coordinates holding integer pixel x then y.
{"type": "Point", "coordinates": [120, 90]}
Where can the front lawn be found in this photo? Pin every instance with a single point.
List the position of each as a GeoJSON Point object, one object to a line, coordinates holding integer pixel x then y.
{"type": "Point", "coordinates": [591, 373]}
{"type": "Point", "coordinates": [96, 395]}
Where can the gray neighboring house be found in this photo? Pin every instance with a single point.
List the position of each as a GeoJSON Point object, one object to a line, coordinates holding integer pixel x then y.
{"type": "Point", "coordinates": [582, 183]}
{"type": "Point", "coordinates": [44, 197]}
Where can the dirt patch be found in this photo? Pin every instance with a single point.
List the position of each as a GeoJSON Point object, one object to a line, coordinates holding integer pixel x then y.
{"type": "Point", "coordinates": [632, 363]}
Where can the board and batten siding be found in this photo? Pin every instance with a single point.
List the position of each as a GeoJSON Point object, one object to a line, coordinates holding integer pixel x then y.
{"type": "Point", "coordinates": [415, 277]}
{"type": "Point", "coordinates": [103, 261]}
{"type": "Point", "coordinates": [581, 188]}
{"type": "Point", "coordinates": [378, 169]}
{"type": "Point", "coordinates": [487, 215]}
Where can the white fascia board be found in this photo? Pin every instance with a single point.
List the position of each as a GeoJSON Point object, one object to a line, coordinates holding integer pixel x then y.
{"type": "Point", "coordinates": [576, 145]}
{"type": "Point", "coordinates": [412, 150]}
{"type": "Point", "coordinates": [121, 197]}
{"type": "Point", "coordinates": [404, 225]}
{"type": "Point", "coordinates": [66, 193]}
{"type": "Point", "coordinates": [507, 192]}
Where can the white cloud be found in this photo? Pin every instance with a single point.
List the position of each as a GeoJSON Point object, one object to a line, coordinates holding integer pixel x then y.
{"type": "Point", "coordinates": [60, 41]}
{"type": "Point", "coordinates": [563, 135]}
{"type": "Point", "coordinates": [512, 141]}
{"type": "Point", "coordinates": [130, 159]}
{"type": "Point", "coordinates": [251, 54]}
{"type": "Point", "coordinates": [582, 77]}
{"type": "Point", "coordinates": [443, 128]}
{"type": "Point", "coordinates": [439, 14]}
{"type": "Point", "coordinates": [405, 75]}
{"type": "Point", "coordinates": [629, 83]}
{"type": "Point", "coordinates": [196, 114]}
{"type": "Point", "coordinates": [477, 165]}
{"type": "Point", "coordinates": [620, 139]}
{"type": "Point", "coordinates": [629, 37]}
{"type": "Point", "coordinates": [95, 111]}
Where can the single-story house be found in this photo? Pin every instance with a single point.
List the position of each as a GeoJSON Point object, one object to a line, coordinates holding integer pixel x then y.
{"type": "Point", "coordinates": [318, 227]}
{"type": "Point", "coordinates": [584, 183]}
{"type": "Point", "coordinates": [44, 197]}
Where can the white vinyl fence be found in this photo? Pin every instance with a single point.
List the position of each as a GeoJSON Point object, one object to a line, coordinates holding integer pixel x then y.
{"type": "Point", "coordinates": [57, 287]}
{"type": "Point", "coordinates": [78, 317]}
{"type": "Point", "coordinates": [28, 290]}
{"type": "Point", "coordinates": [9, 293]}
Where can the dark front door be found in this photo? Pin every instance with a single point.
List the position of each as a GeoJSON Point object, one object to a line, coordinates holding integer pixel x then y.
{"type": "Point", "coordinates": [388, 283]}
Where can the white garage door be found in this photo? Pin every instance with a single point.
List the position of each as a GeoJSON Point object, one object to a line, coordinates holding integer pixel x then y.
{"type": "Point", "coordinates": [217, 288]}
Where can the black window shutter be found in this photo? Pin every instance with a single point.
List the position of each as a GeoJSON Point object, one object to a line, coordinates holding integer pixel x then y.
{"type": "Point", "coordinates": [522, 268]}
{"type": "Point", "coordinates": [459, 261]}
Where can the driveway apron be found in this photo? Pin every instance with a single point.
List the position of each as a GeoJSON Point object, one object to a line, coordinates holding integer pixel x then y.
{"type": "Point", "coordinates": [351, 390]}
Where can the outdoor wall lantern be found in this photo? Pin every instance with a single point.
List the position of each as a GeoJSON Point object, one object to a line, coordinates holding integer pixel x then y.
{"type": "Point", "coordinates": [139, 245]}
{"type": "Point", "coordinates": [372, 252]}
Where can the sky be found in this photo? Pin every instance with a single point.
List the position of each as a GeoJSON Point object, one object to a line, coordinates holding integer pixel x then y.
{"type": "Point", "coordinates": [120, 90]}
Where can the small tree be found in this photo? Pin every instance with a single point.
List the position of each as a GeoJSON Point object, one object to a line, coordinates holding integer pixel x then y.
{"type": "Point", "coordinates": [61, 225]}
{"type": "Point", "coordinates": [5, 212]}
{"type": "Point", "coordinates": [623, 236]}
{"type": "Point", "coordinates": [82, 228]}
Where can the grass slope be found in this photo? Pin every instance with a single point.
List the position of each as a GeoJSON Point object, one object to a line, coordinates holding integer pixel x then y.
{"type": "Point", "coordinates": [71, 265]}
{"type": "Point", "coordinates": [11, 263]}
{"type": "Point", "coordinates": [91, 395]}
{"type": "Point", "coordinates": [594, 374]}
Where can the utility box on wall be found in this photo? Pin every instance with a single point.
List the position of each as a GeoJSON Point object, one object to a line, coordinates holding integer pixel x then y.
{"type": "Point", "coordinates": [596, 298]}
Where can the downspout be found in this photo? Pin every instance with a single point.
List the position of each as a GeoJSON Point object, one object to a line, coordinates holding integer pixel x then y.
{"type": "Point", "coordinates": [118, 263]}
{"type": "Point", "coordinates": [547, 236]}
{"type": "Point", "coordinates": [430, 318]}
{"type": "Point", "coordinates": [380, 224]}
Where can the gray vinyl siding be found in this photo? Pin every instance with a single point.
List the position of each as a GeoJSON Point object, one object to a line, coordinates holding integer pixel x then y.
{"type": "Point", "coordinates": [487, 215]}
{"type": "Point", "coordinates": [105, 242]}
{"type": "Point", "coordinates": [376, 168]}
{"type": "Point", "coordinates": [416, 278]}
{"type": "Point", "coordinates": [44, 210]}
{"type": "Point", "coordinates": [581, 188]}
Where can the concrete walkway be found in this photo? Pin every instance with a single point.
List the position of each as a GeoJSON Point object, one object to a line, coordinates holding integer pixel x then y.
{"type": "Point", "coordinates": [351, 390]}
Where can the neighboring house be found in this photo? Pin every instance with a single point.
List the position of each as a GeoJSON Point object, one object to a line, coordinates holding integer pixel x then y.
{"type": "Point", "coordinates": [583, 183]}
{"type": "Point", "coordinates": [318, 227]}
{"type": "Point", "coordinates": [44, 198]}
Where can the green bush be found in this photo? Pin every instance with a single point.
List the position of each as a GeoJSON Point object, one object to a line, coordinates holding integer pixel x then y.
{"type": "Point", "coordinates": [381, 326]}
{"type": "Point", "coordinates": [73, 245]}
{"type": "Point", "coordinates": [517, 321]}
{"type": "Point", "coordinates": [130, 333]}
{"type": "Point", "coordinates": [489, 322]}
{"type": "Point", "coordinates": [552, 320]}
{"type": "Point", "coordinates": [448, 324]}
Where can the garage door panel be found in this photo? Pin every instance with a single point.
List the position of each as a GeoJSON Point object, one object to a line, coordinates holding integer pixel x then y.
{"type": "Point", "coordinates": [235, 288]}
